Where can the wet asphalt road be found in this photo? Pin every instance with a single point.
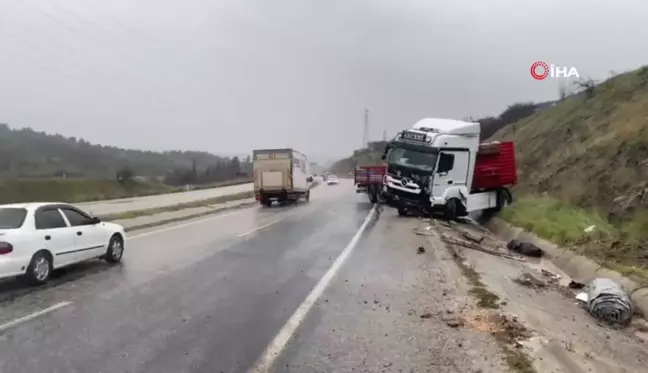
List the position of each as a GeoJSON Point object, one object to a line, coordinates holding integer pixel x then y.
{"type": "Point", "coordinates": [203, 296]}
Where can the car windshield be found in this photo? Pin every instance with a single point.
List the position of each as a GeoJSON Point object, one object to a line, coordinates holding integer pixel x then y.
{"type": "Point", "coordinates": [413, 158]}
{"type": "Point", "coordinates": [12, 218]}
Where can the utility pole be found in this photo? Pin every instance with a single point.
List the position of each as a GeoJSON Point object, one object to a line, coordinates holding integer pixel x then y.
{"type": "Point", "coordinates": [384, 135]}
{"type": "Point", "coordinates": [365, 134]}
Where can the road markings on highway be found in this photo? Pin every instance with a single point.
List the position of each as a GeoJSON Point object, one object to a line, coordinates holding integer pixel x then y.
{"type": "Point", "coordinates": [32, 316]}
{"type": "Point", "coordinates": [170, 228]}
{"type": "Point", "coordinates": [271, 353]}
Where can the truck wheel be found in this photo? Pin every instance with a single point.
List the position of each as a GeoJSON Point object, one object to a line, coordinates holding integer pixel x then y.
{"type": "Point", "coordinates": [266, 202]}
{"type": "Point", "coordinates": [373, 195]}
{"type": "Point", "coordinates": [461, 210]}
{"type": "Point", "coordinates": [504, 198]}
{"type": "Point", "coordinates": [402, 211]}
{"type": "Point", "coordinates": [451, 209]}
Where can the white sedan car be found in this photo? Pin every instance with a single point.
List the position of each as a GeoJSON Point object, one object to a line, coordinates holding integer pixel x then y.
{"type": "Point", "coordinates": [36, 238]}
{"type": "Point", "coordinates": [332, 180]}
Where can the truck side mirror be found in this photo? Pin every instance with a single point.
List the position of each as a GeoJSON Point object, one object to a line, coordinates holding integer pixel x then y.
{"type": "Point", "coordinates": [383, 157]}
{"type": "Point", "coordinates": [309, 179]}
{"type": "Point", "coordinates": [446, 163]}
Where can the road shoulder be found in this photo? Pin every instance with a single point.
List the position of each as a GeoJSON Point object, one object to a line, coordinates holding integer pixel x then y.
{"type": "Point", "coordinates": [559, 336]}
{"type": "Point", "coordinates": [392, 309]}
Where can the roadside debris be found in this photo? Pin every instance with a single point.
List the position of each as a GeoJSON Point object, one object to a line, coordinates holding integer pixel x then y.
{"type": "Point", "coordinates": [525, 248]}
{"type": "Point", "coordinates": [421, 250]}
{"type": "Point", "coordinates": [427, 231]}
{"type": "Point", "coordinates": [453, 322]}
{"type": "Point", "coordinates": [527, 279]}
{"type": "Point", "coordinates": [582, 297]}
{"type": "Point", "coordinates": [474, 246]}
{"type": "Point", "coordinates": [426, 315]}
{"type": "Point", "coordinates": [575, 285]}
{"type": "Point", "coordinates": [608, 302]}
{"type": "Point", "coordinates": [553, 278]}
{"type": "Point", "coordinates": [471, 237]}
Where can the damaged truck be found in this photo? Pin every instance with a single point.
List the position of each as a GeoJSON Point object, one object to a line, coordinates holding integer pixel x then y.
{"type": "Point", "coordinates": [440, 166]}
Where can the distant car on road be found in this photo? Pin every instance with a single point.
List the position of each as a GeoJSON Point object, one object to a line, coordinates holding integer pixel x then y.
{"type": "Point", "coordinates": [332, 180]}
{"type": "Point", "coordinates": [37, 238]}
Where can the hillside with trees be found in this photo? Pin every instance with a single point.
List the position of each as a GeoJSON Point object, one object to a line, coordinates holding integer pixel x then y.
{"type": "Point", "coordinates": [489, 126]}
{"type": "Point", "coordinates": [369, 155]}
{"type": "Point", "coordinates": [36, 166]}
{"type": "Point", "coordinates": [27, 154]}
{"type": "Point", "coordinates": [584, 162]}
{"type": "Point", "coordinates": [513, 113]}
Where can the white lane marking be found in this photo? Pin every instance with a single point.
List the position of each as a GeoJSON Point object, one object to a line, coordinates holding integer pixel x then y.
{"type": "Point", "coordinates": [34, 315]}
{"type": "Point", "coordinates": [266, 225]}
{"type": "Point", "coordinates": [271, 353]}
{"type": "Point", "coordinates": [162, 230]}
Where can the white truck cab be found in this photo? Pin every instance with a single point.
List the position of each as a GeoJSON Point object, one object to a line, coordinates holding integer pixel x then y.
{"type": "Point", "coordinates": [431, 167]}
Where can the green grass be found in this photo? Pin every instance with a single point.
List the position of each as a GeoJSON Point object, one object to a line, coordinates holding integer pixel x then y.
{"type": "Point", "coordinates": [554, 220]}
{"type": "Point", "coordinates": [75, 190]}
{"type": "Point", "coordinates": [620, 247]}
{"type": "Point", "coordinates": [85, 190]}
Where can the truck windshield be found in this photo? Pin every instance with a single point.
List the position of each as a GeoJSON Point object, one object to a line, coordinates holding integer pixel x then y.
{"type": "Point", "coordinates": [413, 158]}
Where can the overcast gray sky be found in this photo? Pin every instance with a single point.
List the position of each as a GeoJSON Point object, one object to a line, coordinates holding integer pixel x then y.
{"type": "Point", "coordinates": [230, 76]}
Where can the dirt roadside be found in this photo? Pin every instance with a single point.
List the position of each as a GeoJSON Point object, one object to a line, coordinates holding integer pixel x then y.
{"type": "Point", "coordinates": [554, 334]}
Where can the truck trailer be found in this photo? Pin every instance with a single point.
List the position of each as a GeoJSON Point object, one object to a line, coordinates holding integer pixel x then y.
{"type": "Point", "coordinates": [369, 179]}
{"type": "Point", "coordinates": [281, 175]}
{"type": "Point", "coordinates": [439, 166]}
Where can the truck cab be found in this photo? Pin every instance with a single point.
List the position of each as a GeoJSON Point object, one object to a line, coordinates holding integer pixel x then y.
{"type": "Point", "coordinates": [432, 167]}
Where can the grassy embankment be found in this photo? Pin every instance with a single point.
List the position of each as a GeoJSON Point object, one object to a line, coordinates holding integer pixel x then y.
{"type": "Point", "coordinates": [84, 190]}
{"type": "Point", "coordinates": [620, 247]}
{"type": "Point", "coordinates": [584, 162]}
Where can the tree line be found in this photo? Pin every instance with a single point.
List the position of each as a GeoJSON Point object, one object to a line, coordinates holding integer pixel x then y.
{"type": "Point", "coordinates": [29, 154]}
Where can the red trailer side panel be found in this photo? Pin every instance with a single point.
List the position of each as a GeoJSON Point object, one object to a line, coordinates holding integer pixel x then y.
{"type": "Point", "coordinates": [495, 166]}
{"type": "Point", "coordinates": [365, 175]}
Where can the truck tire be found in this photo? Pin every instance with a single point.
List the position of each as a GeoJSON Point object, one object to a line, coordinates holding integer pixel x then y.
{"type": "Point", "coordinates": [504, 198]}
{"type": "Point", "coordinates": [265, 201]}
{"type": "Point", "coordinates": [451, 209]}
{"type": "Point", "coordinates": [402, 211]}
{"type": "Point", "coordinates": [373, 195]}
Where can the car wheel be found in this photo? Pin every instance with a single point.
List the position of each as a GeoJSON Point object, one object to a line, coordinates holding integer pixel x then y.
{"type": "Point", "coordinates": [40, 268]}
{"type": "Point", "coordinates": [115, 250]}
